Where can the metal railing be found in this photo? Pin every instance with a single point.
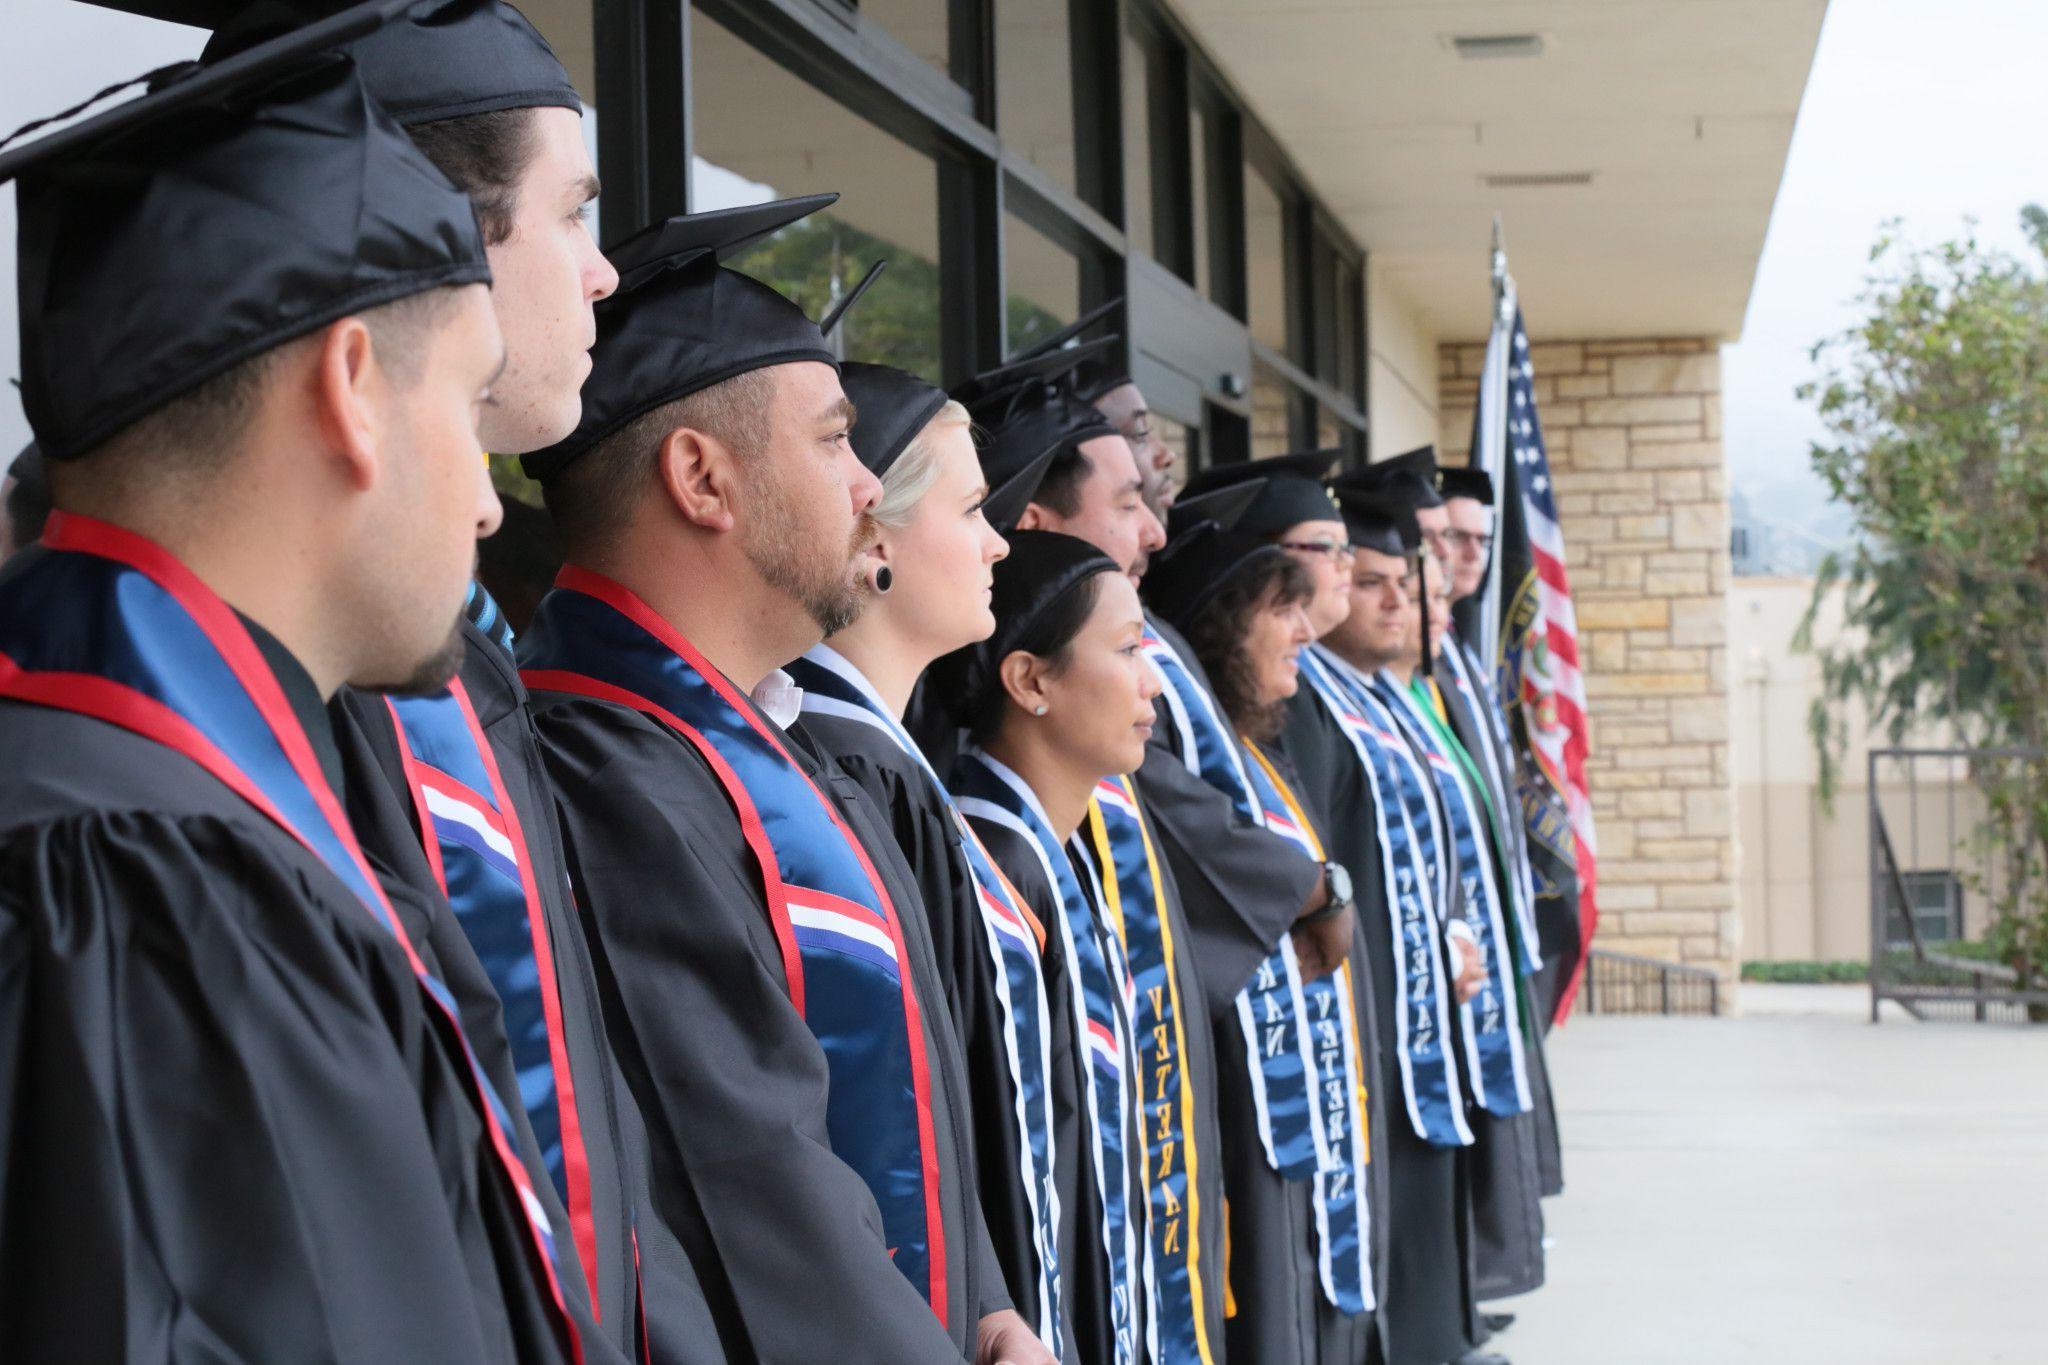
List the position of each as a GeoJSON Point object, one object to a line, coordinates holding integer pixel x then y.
{"type": "Point", "coordinates": [1923, 978]}
{"type": "Point", "coordinates": [1622, 983]}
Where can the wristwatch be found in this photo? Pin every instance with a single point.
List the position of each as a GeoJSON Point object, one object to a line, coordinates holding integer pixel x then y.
{"type": "Point", "coordinates": [1338, 882]}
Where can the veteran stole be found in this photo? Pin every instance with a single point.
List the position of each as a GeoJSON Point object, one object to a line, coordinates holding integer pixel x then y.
{"type": "Point", "coordinates": [841, 946]}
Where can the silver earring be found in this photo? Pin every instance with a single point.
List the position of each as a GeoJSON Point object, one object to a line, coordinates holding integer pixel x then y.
{"type": "Point", "coordinates": [1039, 709]}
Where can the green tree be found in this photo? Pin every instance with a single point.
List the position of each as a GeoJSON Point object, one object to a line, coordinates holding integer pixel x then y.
{"type": "Point", "coordinates": [1936, 406]}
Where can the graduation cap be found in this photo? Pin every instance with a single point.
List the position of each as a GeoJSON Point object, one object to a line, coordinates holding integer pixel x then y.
{"type": "Point", "coordinates": [227, 210]}
{"type": "Point", "coordinates": [1292, 489]}
{"type": "Point", "coordinates": [1225, 506]}
{"type": "Point", "coordinates": [1030, 411]}
{"type": "Point", "coordinates": [681, 321]}
{"type": "Point", "coordinates": [1041, 568]}
{"type": "Point", "coordinates": [892, 405]}
{"type": "Point", "coordinates": [1410, 475]}
{"type": "Point", "coordinates": [1378, 522]}
{"type": "Point", "coordinates": [1185, 576]}
{"type": "Point", "coordinates": [1103, 370]}
{"type": "Point", "coordinates": [1476, 484]}
{"type": "Point", "coordinates": [440, 59]}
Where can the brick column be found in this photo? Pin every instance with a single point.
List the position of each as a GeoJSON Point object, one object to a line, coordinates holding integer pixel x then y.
{"type": "Point", "coordinates": [1633, 429]}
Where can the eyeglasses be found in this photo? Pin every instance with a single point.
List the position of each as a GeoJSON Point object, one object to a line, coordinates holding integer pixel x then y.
{"type": "Point", "coordinates": [1336, 549]}
{"type": "Point", "coordinates": [1479, 540]}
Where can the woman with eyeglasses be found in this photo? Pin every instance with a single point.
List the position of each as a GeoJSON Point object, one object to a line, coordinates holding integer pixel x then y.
{"type": "Point", "coordinates": [1294, 1090]}
{"type": "Point", "coordinates": [930, 582]}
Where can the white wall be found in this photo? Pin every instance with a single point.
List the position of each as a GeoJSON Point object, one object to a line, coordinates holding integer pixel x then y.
{"type": "Point", "coordinates": [1402, 370]}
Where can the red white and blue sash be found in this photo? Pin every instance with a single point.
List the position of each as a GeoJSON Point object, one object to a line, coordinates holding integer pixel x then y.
{"type": "Point", "coordinates": [1343, 1218]}
{"type": "Point", "coordinates": [841, 945]}
{"type": "Point", "coordinates": [1503, 806]}
{"type": "Point", "coordinates": [834, 687]}
{"type": "Point", "coordinates": [108, 624]}
{"type": "Point", "coordinates": [477, 847]}
{"type": "Point", "coordinates": [1430, 1087]}
{"type": "Point", "coordinates": [1114, 839]}
{"type": "Point", "coordinates": [1272, 1012]}
{"type": "Point", "coordinates": [1494, 1057]}
{"type": "Point", "coordinates": [988, 790]}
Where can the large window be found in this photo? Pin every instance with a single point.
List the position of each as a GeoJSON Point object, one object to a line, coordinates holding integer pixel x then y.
{"type": "Point", "coordinates": [1265, 262]}
{"type": "Point", "coordinates": [1138, 149]}
{"type": "Point", "coordinates": [1035, 85]}
{"type": "Point", "coordinates": [923, 26]}
{"type": "Point", "coordinates": [1042, 286]}
{"type": "Point", "coordinates": [764, 134]}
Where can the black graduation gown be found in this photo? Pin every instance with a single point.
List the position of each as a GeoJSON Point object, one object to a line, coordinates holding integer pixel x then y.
{"type": "Point", "coordinates": [1426, 1300]}
{"type": "Point", "coordinates": [929, 840]}
{"type": "Point", "coordinates": [1241, 885]}
{"type": "Point", "coordinates": [677, 1319]}
{"type": "Point", "coordinates": [233, 1126]}
{"type": "Point", "coordinates": [1282, 1313]}
{"type": "Point", "coordinates": [1507, 1154]}
{"type": "Point", "coordinates": [1539, 990]}
{"type": "Point", "coordinates": [785, 1237]}
{"type": "Point", "coordinates": [1084, 1270]}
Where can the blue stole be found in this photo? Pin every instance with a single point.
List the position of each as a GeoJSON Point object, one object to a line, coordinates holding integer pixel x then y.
{"type": "Point", "coordinates": [1433, 1096]}
{"type": "Point", "coordinates": [1492, 1022]}
{"type": "Point", "coordinates": [1272, 1011]}
{"type": "Point", "coordinates": [1343, 1220]}
{"type": "Point", "coordinates": [834, 687]}
{"type": "Point", "coordinates": [478, 854]}
{"type": "Point", "coordinates": [988, 790]}
{"type": "Point", "coordinates": [841, 946]}
{"type": "Point", "coordinates": [108, 624]}
{"type": "Point", "coordinates": [1503, 805]}
{"type": "Point", "coordinates": [1114, 840]}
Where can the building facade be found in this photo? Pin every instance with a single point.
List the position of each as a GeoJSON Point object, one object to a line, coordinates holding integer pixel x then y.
{"type": "Point", "coordinates": [1294, 204]}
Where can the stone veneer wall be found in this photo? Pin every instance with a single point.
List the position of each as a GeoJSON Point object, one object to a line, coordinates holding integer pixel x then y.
{"type": "Point", "coordinates": [1633, 429]}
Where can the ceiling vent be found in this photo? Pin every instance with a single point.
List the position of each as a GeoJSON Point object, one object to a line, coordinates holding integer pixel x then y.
{"type": "Point", "coordinates": [1479, 46]}
{"type": "Point", "coordinates": [1536, 180]}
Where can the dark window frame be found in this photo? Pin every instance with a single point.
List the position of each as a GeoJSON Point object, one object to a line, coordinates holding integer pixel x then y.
{"type": "Point", "coordinates": [648, 135]}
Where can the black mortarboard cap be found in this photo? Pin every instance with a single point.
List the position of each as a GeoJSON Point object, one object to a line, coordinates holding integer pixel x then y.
{"type": "Point", "coordinates": [226, 211]}
{"type": "Point", "coordinates": [441, 59]}
{"type": "Point", "coordinates": [680, 321]}
{"type": "Point", "coordinates": [891, 406]}
{"type": "Point", "coordinates": [1100, 372]}
{"type": "Point", "coordinates": [1036, 367]}
{"type": "Point", "coordinates": [1379, 520]}
{"type": "Point", "coordinates": [1031, 415]}
{"type": "Point", "coordinates": [1453, 482]}
{"type": "Point", "coordinates": [1040, 569]}
{"type": "Point", "coordinates": [1185, 576]}
{"type": "Point", "coordinates": [1410, 475]}
{"type": "Point", "coordinates": [1225, 506]}
{"type": "Point", "coordinates": [1292, 490]}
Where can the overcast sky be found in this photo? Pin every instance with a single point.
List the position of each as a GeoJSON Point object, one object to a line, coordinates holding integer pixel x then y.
{"type": "Point", "coordinates": [1926, 110]}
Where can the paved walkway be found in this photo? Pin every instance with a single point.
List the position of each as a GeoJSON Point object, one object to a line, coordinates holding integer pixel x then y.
{"type": "Point", "coordinates": [1795, 1185]}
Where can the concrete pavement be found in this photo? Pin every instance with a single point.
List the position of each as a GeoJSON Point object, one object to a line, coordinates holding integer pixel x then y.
{"type": "Point", "coordinates": [1795, 1185]}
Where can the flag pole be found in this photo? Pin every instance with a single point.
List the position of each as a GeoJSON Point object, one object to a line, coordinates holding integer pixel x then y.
{"type": "Point", "coordinates": [1490, 432]}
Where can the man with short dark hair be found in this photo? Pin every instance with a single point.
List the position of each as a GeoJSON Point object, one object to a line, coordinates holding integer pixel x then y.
{"type": "Point", "coordinates": [446, 790]}
{"type": "Point", "coordinates": [768, 972]}
{"type": "Point", "coordinates": [243, 1119]}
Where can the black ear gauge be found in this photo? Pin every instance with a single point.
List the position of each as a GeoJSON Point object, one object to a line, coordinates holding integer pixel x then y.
{"type": "Point", "coordinates": [884, 576]}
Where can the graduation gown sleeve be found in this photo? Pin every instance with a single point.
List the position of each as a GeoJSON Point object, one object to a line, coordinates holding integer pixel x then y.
{"type": "Point", "coordinates": [231, 1128]}
{"type": "Point", "coordinates": [731, 1082]}
{"type": "Point", "coordinates": [1241, 886]}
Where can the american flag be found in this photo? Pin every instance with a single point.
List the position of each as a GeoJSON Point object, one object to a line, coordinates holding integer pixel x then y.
{"type": "Point", "coordinates": [1531, 629]}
